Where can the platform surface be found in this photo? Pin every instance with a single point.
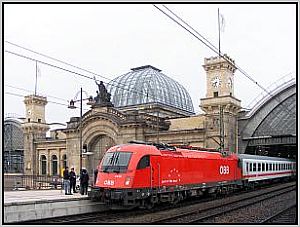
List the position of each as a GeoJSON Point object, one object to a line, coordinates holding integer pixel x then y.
{"type": "Point", "coordinates": [33, 196]}
{"type": "Point", "coordinates": [26, 205]}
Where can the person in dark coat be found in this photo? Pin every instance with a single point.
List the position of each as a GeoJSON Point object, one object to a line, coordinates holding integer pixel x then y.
{"type": "Point", "coordinates": [73, 181]}
{"type": "Point", "coordinates": [84, 182]}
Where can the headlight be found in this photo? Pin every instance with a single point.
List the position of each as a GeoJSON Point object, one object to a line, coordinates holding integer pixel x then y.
{"type": "Point", "coordinates": [127, 181]}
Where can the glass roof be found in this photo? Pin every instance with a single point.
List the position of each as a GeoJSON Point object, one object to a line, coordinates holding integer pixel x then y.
{"type": "Point", "coordinates": [281, 120]}
{"type": "Point", "coordinates": [146, 84]}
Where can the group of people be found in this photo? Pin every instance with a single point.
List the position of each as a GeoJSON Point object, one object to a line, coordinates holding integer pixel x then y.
{"type": "Point", "coordinates": [69, 181]}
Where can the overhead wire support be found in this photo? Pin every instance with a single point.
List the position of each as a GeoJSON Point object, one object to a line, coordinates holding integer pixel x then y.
{"type": "Point", "coordinates": [219, 32]}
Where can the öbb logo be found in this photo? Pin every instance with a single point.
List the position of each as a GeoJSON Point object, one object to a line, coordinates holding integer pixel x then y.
{"type": "Point", "coordinates": [109, 182]}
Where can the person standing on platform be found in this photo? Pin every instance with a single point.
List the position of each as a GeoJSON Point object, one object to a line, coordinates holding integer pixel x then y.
{"type": "Point", "coordinates": [66, 181]}
{"type": "Point", "coordinates": [72, 181]}
{"type": "Point", "coordinates": [84, 182]}
{"type": "Point", "coordinates": [95, 175]}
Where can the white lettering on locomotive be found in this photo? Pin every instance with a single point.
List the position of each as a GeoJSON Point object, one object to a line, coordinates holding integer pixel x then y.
{"type": "Point", "coordinates": [224, 170]}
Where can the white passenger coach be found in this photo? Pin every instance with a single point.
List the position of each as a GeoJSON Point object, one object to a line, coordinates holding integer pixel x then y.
{"type": "Point", "coordinates": [260, 168]}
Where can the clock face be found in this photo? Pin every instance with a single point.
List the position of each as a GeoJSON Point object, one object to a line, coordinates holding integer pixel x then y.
{"type": "Point", "coordinates": [229, 82]}
{"type": "Point", "coordinates": [216, 81]}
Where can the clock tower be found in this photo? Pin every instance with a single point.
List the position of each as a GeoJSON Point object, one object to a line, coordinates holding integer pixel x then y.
{"type": "Point", "coordinates": [34, 128]}
{"type": "Point", "coordinates": [220, 105]}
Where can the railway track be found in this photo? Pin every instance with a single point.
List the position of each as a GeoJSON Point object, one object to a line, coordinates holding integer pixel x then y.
{"type": "Point", "coordinates": [205, 212]}
{"type": "Point", "coordinates": [285, 216]}
{"type": "Point", "coordinates": [165, 214]}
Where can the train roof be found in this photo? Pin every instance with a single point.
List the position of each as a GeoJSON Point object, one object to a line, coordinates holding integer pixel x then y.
{"type": "Point", "coordinates": [164, 149]}
{"type": "Point", "coordinates": [258, 157]}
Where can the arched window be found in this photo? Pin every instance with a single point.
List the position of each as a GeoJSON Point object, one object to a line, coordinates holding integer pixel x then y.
{"type": "Point", "coordinates": [64, 161]}
{"type": "Point", "coordinates": [54, 165]}
{"type": "Point", "coordinates": [43, 165]}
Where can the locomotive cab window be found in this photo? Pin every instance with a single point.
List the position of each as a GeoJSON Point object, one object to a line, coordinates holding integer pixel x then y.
{"type": "Point", "coordinates": [144, 162]}
{"type": "Point", "coordinates": [116, 161]}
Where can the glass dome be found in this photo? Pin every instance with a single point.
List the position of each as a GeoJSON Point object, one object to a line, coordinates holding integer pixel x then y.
{"type": "Point", "coordinates": [146, 84]}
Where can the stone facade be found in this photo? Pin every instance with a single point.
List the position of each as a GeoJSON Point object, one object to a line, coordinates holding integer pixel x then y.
{"type": "Point", "coordinates": [105, 126]}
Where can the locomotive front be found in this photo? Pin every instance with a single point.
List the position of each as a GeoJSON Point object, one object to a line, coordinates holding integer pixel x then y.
{"type": "Point", "coordinates": [115, 177]}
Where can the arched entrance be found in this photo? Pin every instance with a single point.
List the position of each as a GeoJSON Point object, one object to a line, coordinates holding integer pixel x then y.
{"type": "Point", "coordinates": [98, 146]}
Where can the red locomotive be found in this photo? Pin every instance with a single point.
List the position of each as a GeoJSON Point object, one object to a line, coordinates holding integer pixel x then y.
{"type": "Point", "coordinates": [143, 173]}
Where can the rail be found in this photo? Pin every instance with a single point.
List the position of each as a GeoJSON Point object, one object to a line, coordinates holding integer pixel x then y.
{"type": "Point", "coordinates": [197, 216]}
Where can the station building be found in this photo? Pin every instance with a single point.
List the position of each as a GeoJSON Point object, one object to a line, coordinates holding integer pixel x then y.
{"type": "Point", "coordinates": [146, 105]}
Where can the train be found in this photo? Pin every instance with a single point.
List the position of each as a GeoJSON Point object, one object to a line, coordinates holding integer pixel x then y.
{"type": "Point", "coordinates": [143, 174]}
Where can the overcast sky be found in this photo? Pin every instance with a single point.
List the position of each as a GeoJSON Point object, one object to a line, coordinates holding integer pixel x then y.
{"type": "Point", "coordinates": [109, 40]}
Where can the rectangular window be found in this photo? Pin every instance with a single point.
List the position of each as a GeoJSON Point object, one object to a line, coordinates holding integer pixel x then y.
{"type": "Point", "coordinates": [247, 167]}
{"type": "Point", "coordinates": [254, 167]}
{"type": "Point", "coordinates": [263, 167]}
{"type": "Point", "coordinates": [259, 167]}
{"type": "Point", "coordinates": [216, 94]}
{"type": "Point", "coordinates": [267, 165]}
{"type": "Point", "coordinates": [251, 169]}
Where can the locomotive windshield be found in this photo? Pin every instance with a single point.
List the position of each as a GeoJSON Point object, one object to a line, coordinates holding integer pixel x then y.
{"type": "Point", "coordinates": [115, 162]}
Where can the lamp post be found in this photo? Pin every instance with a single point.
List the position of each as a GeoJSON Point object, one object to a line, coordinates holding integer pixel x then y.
{"type": "Point", "coordinates": [72, 106]}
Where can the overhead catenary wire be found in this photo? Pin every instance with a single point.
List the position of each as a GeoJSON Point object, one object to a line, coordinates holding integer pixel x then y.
{"type": "Point", "coordinates": [22, 96]}
{"type": "Point", "coordinates": [58, 103]}
{"type": "Point", "coordinates": [88, 71]}
{"type": "Point", "coordinates": [213, 48]}
{"type": "Point", "coordinates": [206, 42]}
{"type": "Point", "coordinates": [118, 85]}
{"type": "Point", "coordinates": [23, 89]}
{"type": "Point", "coordinates": [73, 72]}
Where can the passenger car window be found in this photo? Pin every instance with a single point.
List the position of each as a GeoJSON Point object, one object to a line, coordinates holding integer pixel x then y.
{"type": "Point", "coordinates": [144, 162]}
{"type": "Point", "coordinates": [254, 167]}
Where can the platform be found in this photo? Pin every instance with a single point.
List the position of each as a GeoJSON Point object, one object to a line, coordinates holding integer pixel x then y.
{"type": "Point", "coordinates": [25, 205]}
